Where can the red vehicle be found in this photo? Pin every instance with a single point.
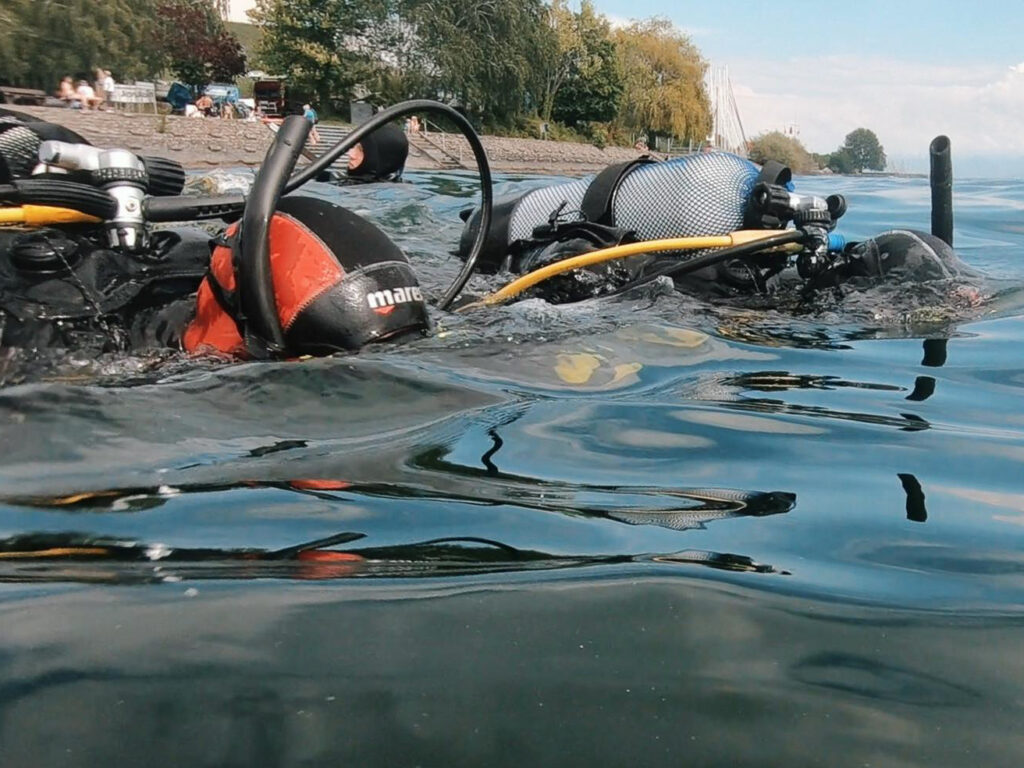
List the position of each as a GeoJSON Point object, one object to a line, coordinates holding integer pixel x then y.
{"type": "Point", "coordinates": [269, 95]}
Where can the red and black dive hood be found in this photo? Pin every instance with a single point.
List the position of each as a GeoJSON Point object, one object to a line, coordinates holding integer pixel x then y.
{"type": "Point", "coordinates": [338, 284]}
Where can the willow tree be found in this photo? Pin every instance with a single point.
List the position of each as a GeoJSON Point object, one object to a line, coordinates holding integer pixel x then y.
{"type": "Point", "coordinates": [663, 75]}
{"type": "Point", "coordinates": [37, 50]}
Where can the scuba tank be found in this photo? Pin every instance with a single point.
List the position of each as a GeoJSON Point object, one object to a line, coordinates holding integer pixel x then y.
{"type": "Point", "coordinates": [702, 194]}
{"type": "Point", "coordinates": [713, 222]}
{"type": "Point", "coordinates": [641, 200]}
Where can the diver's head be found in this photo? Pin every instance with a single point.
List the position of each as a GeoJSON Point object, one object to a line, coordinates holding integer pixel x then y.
{"type": "Point", "coordinates": [339, 283]}
{"type": "Point", "coordinates": [905, 255]}
{"type": "Point", "coordinates": [380, 156]}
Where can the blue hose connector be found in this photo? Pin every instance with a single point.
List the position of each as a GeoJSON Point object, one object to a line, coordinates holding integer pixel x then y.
{"type": "Point", "coordinates": [836, 242]}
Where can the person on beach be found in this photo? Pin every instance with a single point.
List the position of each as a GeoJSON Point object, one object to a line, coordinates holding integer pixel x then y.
{"type": "Point", "coordinates": [88, 96]}
{"type": "Point", "coordinates": [205, 105]}
{"type": "Point", "coordinates": [67, 93]}
{"type": "Point", "coordinates": [99, 87]}
{"type": "Point", "coordinates": [105, 85]}
{"type": "Point", "coordinates": [310, 114]}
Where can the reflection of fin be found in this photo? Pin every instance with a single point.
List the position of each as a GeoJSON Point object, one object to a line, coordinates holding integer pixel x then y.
{"type": "Point", "coordinates": [676, 521]}
{"type": "Point", "coordinates": [721, 560]}
{"type": "Point", "coordinates": [330, 541]}
{"type": "Point", "coordinates": [914, 423]}
{"type": "Point", "coordinates": [280, 445]}
{"type": "Point", "coordinates": [716, 504]}
{"type": "Point", "coordinates": [934, 353]}
{"type": "Point", "coordinates": [924, 387]}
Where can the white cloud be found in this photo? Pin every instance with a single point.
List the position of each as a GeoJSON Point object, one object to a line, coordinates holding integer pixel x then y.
{"type": "Point", "coordinates": [906, 104]}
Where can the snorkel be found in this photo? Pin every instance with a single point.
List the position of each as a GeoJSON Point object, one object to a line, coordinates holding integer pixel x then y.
{"type": "Point", "coordinates": [264, 336]}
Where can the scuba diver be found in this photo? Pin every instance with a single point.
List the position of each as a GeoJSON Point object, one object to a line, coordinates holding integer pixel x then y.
{"type": "Point", "coordinates": [380, 156]}
{"type": "Point", "coordinates": [290, 276]}
{"type": "Point", "coordinates": [713, 222]}
{"type": "Point", "coordinates": [295, 275]}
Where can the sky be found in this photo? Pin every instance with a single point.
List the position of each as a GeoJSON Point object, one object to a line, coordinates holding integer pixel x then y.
{"type": "Point", "coordinates": [906, 69]}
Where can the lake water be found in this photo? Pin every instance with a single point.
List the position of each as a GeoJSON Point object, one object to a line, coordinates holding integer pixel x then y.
{"type": "Point", "coordinates": [644, 532]}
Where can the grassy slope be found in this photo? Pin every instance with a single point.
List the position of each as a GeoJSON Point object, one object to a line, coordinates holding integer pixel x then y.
{"type": "Point", "coordinates": [248, 35]}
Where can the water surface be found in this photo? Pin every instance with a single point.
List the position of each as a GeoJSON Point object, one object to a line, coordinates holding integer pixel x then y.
{"type": "Point", "coordinates": [638, 532]}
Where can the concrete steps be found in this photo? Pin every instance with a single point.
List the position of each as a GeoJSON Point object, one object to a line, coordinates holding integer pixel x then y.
{"type": "Point", "coordinates": [436, 150]}
{"type": "Point", "coordinates": [329, 136]}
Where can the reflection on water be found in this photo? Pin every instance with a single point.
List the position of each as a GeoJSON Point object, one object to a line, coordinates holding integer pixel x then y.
{"type": "Point", "coordinates": [624, 531]}
{"type": "Point", "coordinates": [34, 558]}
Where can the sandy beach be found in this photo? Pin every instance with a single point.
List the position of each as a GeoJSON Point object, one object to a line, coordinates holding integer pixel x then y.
{"type": "Point", "coordinates": [209, 142]}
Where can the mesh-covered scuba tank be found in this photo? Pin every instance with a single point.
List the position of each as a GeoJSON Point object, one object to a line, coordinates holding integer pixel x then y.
{"type": "Point", "coordinates": [702, 194]}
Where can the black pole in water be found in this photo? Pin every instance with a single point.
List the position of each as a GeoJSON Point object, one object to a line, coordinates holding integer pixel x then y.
{"type": "Point", "coordinates": [942, 189]}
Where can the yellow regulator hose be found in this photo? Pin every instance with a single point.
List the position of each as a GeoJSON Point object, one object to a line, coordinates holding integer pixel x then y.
{"type": "Point", "coordinates": [43, 216]}
{"type": "Point", "coordinates": [517, 286]}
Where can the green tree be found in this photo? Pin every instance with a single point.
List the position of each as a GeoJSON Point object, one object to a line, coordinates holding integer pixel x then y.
{"type": "Point", "coordinates": [592, 88]}
{"type": "Point", "coordinates": [864, 151]}
{"type": "Point", "coordinates": [315, 44]}
{"type": "Point", "coordinates": [594, 97]}
{"type": "Point", "coordinates": [787, 150]}
{"type": "Point", "coordinates": [579, 46]}
{"type": "Point", "coordinates": [36, 49]}
{"type": "Point", "coordinates": [663, 74]}
{"type": "Point", "coordinates": [841, 161]}
{"type": "Point", "coordinates": [9, 27]}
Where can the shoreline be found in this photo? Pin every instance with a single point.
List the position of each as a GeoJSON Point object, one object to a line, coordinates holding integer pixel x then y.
{"type": "Point", "coordinates": [205, 143]}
